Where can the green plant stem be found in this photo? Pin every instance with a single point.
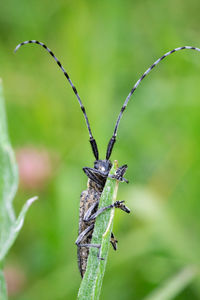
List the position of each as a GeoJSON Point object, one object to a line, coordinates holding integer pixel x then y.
{"type": "Point", "coordinates": [92, 281]}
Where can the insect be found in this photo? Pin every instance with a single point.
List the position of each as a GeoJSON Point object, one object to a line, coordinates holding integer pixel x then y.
{"type": "Point", "coordinates": [97, 176]}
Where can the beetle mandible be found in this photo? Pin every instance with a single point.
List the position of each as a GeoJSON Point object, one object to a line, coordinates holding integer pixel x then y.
{"type": "Point", "coordinates": [97, 176]}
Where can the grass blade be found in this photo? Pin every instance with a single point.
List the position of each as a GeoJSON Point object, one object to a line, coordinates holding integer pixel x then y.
{"type": "Point", "coordinates": [92, 281]}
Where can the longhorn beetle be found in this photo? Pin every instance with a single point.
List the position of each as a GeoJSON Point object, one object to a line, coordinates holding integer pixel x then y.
{"type": "Point", "coordinates": [89, 199]}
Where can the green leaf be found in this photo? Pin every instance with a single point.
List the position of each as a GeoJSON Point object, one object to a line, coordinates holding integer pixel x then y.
{"type": "Point", "coordinates": [92, 281]}
{"type": "Point", "coordinates": [14, 228]}
{"type": "Point", "coordinates": [9, 224]}
{"type": "Point", "coordinates": [3, 291]}
{"type": "Point", "coordinates": [8, 178]}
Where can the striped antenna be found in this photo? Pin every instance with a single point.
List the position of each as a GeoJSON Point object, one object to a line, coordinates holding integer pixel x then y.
{"type": "Point", "coordinates": [113, 138]}
{"type": "Point", "coordinates": [92, 140]}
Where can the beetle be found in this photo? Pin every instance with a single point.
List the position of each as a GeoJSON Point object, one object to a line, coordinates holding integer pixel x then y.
{"type": "Point", "coordinates": [97, 175]}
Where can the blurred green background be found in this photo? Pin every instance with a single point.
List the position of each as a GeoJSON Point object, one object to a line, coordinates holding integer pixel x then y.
{"type": "Point", "coordinates": [105, 46]}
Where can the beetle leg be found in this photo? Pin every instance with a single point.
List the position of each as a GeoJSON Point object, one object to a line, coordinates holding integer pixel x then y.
{"type": "Point", "coordinates": [119, 178]}
{"type": "Point", "coordinates": [99, 177]}
{"type": "Point", "coordinates": [82, 235]}
{"type": "Point", "coordinates": [88, 214]}
{"type": "Point", "coordinates": [113, 241]}
{"type": "Point", "coordinates": [119, 204]}
{"type": "Point", "coordinates": [116, 204]}
{"type": "Point", "coordinates": [119, 174]}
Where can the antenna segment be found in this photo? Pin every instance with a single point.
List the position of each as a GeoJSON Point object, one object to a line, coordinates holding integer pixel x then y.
{"type": "Point", "coordinates": [92, 140]}
{"type": "Point", "coordinates": [113, 138]}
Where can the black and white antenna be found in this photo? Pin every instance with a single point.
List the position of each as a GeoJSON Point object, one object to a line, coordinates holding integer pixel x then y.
{"type": "Point", "coordinates": [113, 138]}
{"type": "Point", "coordinates": [92, 140]}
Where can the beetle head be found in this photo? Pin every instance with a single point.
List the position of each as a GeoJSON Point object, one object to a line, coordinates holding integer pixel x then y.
{"type": "Point", "coordinates": [103, 165]}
